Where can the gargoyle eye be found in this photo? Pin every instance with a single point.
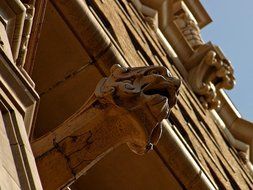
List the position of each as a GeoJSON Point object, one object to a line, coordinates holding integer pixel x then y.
{"type": "Point", "coordinates": [127, 81]}
{"type": "Point", "coordinates": [154, 72]}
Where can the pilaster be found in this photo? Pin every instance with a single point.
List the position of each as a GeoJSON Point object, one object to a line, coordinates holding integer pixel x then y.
{"type": "Point", "coordinates": [17, 100]}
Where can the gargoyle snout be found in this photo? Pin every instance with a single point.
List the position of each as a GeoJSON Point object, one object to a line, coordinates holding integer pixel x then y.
{"type": "Point", "coordinates": [176, 82]}
{"type": "Point", "coordinates": [173, 90]}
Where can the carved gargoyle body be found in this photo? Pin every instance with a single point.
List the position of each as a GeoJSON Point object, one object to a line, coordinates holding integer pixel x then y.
{"type": "Point", "coordinates": [127, 107]}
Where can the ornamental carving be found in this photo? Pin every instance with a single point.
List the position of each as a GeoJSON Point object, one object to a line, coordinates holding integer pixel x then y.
{"type": "Point", "coordinates": [126, 107]}
{"type": "Point", "coordinates": [211, 74]}
{"type": "Point", "coordinates": [189, 29]}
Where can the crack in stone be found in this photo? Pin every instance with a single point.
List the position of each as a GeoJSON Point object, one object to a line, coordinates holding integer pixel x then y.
{"type": "Point", "coordinates": [88, 143]}
{"type": "Point", "coordinates": [59, 149]}
{"type": "Point", "coordinates": [67, 77]}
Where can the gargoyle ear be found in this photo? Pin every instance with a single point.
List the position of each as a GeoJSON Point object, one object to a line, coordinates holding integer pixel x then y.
{"type": "Point", "coordinates": [115, 67]}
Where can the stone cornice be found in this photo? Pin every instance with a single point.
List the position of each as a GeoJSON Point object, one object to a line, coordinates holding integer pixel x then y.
{"type": "Point", "coordinates": [14, 14]}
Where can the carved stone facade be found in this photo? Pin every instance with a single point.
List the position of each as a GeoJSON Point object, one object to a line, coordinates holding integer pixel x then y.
{"type": "Point", "coordinates": [80, 80]}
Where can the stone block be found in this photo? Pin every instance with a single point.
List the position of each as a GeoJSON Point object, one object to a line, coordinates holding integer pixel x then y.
{"type": "Point", "coordinates": [59, 53]}
{"type": "Point", "coordinates": [31, 168]}
{"type": "Point", "coordinates": [6, 181]}
{"type": "Point", "coordinates": [2, 126]}
{"type": "Point", "coordinates": [65, 99]}
{"type": "Point", "coordinates": [6, 158]}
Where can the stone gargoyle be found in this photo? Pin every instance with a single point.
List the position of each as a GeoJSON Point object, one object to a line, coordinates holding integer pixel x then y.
{"type": "Point", "coordinates": [214, 72]}
{"type": "Point", "coordinates": [126, 107]}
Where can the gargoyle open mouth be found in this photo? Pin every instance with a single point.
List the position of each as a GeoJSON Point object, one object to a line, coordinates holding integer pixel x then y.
{"type": "Point", "coordinates": [152, 91]}
{"type": "Point", "coordinates": [147, 94]}
{"type": "Point", "coordinates": [163, 89]}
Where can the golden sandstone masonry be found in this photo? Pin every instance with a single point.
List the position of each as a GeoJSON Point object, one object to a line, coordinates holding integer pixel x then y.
{"type": "Point", "coordinates": [117, 94]}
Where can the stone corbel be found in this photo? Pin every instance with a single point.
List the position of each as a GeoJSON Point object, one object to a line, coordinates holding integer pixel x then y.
{"type": "Point", "coordinates": [127, 107]}
{"type": "Point", "coordinates": [211, 73]}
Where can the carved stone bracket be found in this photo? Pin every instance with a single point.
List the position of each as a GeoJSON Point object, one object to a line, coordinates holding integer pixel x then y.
{"type": "Point", "coordinates": [126, 107]}
{"type": "Point", "coordinates": [213, 72]}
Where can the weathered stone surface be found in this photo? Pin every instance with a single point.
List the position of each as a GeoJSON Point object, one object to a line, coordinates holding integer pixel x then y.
{"type": "Point", "coordinates": [6, 157]}
{"type": "Point", "coordinates": [6, 181]}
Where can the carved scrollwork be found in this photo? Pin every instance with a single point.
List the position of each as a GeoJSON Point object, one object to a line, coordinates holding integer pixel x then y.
{"type": "Point", "coordinates": [212, 74]}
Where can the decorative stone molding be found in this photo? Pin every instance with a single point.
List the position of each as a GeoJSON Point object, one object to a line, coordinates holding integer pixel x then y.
{"type": "Point", "coordinates": [240, 128]}
{"type": "Point", "coordinates": [30, 10]}
{"type": "Point", "coordinates": [20, 88]}
{"type": "Point", "coordinates": [183, 32]}
{"type": "Point", "coordinates": [33, 23]}
{"type": "Point", "coordinates": [210, 75]}
{"type": "Point", "coordinates": [240, 142]}
{"type": "Point", "coordinates": [13, 13]}
{"type": "Point", "coordinates": [127, 107]}
{"type": "Point", "coordinates": [17, 104]}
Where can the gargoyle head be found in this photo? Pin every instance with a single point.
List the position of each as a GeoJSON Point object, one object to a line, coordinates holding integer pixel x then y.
{"type": "Point", "coordinates": [146, 93]}
{"type": "Point", "coordinates": [214, 72]}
